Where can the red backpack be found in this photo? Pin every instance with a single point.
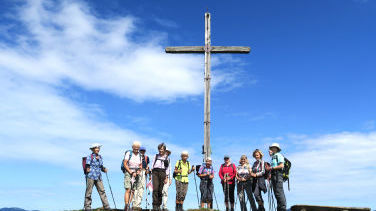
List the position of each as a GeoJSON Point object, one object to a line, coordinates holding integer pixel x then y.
{"type": "Point", "coordinates": [84, 162]}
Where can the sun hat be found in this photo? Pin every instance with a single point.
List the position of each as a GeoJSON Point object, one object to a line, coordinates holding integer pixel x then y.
{"type": "Point", "coordinates": [226, 157]}
{"type": "Point", "coordinates": [184, 153]}
{"type": "Point", "coordinates": [142, 149]}
{"type": "Point", "coordinates": [95, 145]}
{"type": "Point", "coordinates": [208, 158]}
{"type": "Point", "coordinates": [275, 145]}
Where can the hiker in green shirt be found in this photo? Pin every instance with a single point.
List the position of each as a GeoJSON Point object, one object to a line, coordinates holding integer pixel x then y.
{"type": "Point", "coordinates": [181, 172]}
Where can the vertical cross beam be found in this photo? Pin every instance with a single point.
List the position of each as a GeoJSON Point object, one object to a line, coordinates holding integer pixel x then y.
{"type": "Point", "coordinates": [207, 50]}
{"type": "Point", "coordinates": [207, 149]}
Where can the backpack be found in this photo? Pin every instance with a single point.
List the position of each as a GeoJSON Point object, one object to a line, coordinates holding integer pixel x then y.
{"type": "Point", "coordinates": [144, 159]}
{"type": "Point", "coordinates": [122, 167]}
{"type": "Point", "coordinates": [174, 175]}
{"type": "Point", "coordinates": [166, 162]}
{"type": "Point", "coordinates": [286, 171]}
{"type": "Point", "coordinates": [84, 162]}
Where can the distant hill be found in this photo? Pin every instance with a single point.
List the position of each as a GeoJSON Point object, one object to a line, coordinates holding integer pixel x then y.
{"type": "Point", "coordinates": [14, 209]}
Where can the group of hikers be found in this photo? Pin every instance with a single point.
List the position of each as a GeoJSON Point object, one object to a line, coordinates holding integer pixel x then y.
{"type": "Point", "coordinates": [248, 179]}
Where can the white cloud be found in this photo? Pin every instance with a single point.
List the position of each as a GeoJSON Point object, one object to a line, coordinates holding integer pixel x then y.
{"type": "Point", "coordinates": [40, 124]}
{"type": "Point", "coordinates": [334, 167]}
{"type": "Point", "coordinates": [66, 42]}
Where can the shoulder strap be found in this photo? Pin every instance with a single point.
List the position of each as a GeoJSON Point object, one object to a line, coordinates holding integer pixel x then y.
{"type": "Point", "coordinates": [179, 165]}
{"type": "Point", "coordinates": [155, 160]}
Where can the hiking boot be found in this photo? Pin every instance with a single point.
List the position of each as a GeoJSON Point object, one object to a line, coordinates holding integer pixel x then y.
{"type": "Point", "coordinates": [155, 208]}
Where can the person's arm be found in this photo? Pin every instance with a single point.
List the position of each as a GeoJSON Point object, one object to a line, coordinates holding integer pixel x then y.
{"type": "Point", "coordinates": [234, 173]}
{"type": "Point", "coordinates": [200, 173]}
{"type": "Point", "coordinates": [87, 165]}
{"type": "Point", "coordinates": [281, 165]}
{"type": "Point", "coordinates": [176, 169]}
{"type": "Point", "coordinates": [191, 169]}
{"type": "Point", "coordinates": [152, 165]}
{"type": "Point", "coordinates": [168, 170]}
{"type": "Point", "coordinates": [262, 172]}
{"type": "Point", "coordinates": [237, 175]}
{"type": "Point", "coordinates": [126, 158]}
{"type": "Point", "coordinates": [103, 169]}
{"type": "Point", "coordinates": [211, 174]}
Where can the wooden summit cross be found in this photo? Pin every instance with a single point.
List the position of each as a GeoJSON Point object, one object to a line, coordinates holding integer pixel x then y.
{"type": "Point", "coordinates": [207, 49]}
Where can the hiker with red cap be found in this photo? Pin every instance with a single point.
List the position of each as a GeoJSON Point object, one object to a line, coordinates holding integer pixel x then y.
{"type": "Point", "coordinates": [93, 168]}
{"type": "Point", "coordinates": [227, 173]}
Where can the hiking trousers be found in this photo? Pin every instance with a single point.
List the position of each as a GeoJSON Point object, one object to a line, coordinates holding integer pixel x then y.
{"type": "Point", "coordinates": [90, 183]}
{"type": "Point", "coordinates": [228, 190]}
{"type": "Point", "coordinates": [206, 189]}
{"type": "Point", "coordinates": [139, 190]}
{"type": "Point", "coordinates": [259, 186]}
{"type": "Point", "coordinates": [181, 190]}
{"type": "Point", "coordinates": [159, 175]}
{"type": "Point", "coordinates": [242, 189]}
{"type": "Point", "coordinates": [165, 195]}
{"type": "Point", "coordinates": [277, 183]}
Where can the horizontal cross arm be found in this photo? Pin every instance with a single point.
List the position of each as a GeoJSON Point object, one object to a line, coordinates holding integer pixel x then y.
{"type": "Point", "coordinates": [185, 49]}
{"type": "Point", "coordinates": [230, 49]}
{"type": "Point", "coordinates": [214, 49]}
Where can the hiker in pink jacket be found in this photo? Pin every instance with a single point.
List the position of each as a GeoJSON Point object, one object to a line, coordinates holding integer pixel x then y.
{"type": "Point", "coordinates": [227, 173]}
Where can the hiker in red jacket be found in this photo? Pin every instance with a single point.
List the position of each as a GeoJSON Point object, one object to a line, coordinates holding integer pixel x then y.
{"type": "Point", "coordinates": [227, 173]}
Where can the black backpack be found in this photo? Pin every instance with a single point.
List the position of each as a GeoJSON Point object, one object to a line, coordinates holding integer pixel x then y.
{"type": "Point", "coordinates": [286, 171]}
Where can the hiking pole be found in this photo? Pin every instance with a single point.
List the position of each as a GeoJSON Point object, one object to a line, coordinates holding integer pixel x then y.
{"type": "Point", "coordinates": [111, 190]}
{"type": "Point", "coordinates": [198, 202]}
{"type": "Point", "coordinates": [130, 198]}
{"type": "Point", "coordinates": [236, 199]}
{"type": "Point", "coordinates": [215, 198]}
{"type": "Point", "coordinates": [272, 198]}
{"type": "Point", "coordinates": [147, 191]}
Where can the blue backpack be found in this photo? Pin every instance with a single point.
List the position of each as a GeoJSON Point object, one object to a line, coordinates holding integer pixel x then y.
{"type": "Point", "coordinates": [122, 167]}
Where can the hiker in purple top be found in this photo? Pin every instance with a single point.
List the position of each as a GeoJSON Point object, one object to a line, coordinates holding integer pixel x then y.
{"type": "Point", "coordinates": [93, 168]}
{"type": "Point", "coordinates": [206, 174]}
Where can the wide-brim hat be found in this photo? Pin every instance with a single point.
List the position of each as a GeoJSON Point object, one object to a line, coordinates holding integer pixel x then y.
{"type": "Point", "coordinates": [95, 145]}
{"type": "Point", "coordinates": [275, 145]}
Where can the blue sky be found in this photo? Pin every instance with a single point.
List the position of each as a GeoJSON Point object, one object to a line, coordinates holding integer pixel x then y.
{"type": "Point", "coordinates": [77, 72]}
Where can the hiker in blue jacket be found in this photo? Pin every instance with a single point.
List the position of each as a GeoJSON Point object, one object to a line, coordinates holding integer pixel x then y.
{"type": "Point", "coordinates": [277, 165]}
{"type": "Point", "coordinates": [94, 166]}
